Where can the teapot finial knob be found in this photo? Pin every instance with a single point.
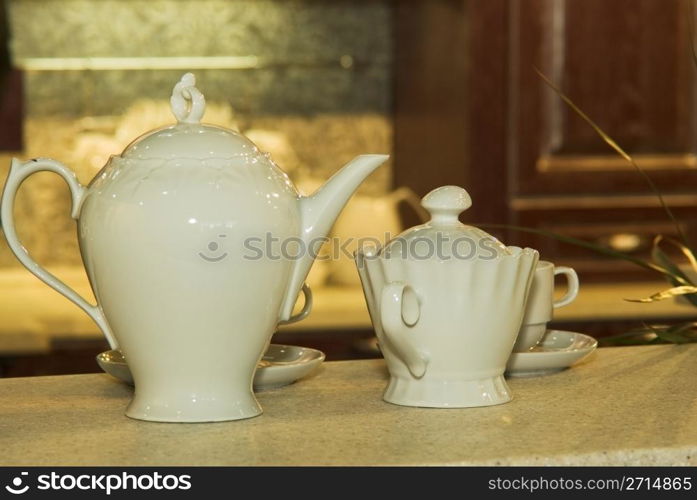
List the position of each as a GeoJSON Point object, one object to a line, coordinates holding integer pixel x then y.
{"type": "Point", "coordinates": [188, 103]}
{"type": "Point", "coordinates": [446, 203]}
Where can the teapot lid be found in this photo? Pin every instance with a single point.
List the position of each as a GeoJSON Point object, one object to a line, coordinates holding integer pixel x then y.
{"type": "Point", "coordinates": [188, 138]}
{"type": "Point", "coordinates": [444, 236]}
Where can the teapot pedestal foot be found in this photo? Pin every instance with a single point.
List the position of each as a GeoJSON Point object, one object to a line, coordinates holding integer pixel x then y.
{"type": "Point", "coordinates": [447, 393]}
{"type": "Point", "coordinates": [193, 410]}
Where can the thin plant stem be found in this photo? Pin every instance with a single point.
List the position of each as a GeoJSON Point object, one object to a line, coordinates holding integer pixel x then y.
{"type": "Point", "coordinates": [585, 244]}
{"type": "Point", "coordinates": [611, 142]}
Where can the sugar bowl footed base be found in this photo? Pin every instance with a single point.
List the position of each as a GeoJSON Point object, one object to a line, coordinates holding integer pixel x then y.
{"type": "Point", "coordinates": [447, 393]}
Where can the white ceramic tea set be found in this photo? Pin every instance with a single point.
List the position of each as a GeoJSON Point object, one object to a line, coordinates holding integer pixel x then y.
{"type": "Point", "coordinates": [454, 308]}
{"type": "Point", "coordinates": [180, 236]}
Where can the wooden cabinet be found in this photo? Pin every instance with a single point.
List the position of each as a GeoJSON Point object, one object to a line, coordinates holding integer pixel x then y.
{"type": "Point", "coordinates": [471, 110]}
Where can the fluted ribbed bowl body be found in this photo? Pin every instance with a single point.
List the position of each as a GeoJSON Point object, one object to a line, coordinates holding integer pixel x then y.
{"type": "Point", "coordinates": [470, 312]}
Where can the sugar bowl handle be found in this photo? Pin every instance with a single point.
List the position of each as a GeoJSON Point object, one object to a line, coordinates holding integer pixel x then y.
{"type": "Point", "coordinates": [18, 173]}
{"type": "Point", "coordinates": [399, 311]}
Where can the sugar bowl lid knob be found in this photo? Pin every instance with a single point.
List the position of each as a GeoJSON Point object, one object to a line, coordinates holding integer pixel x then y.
{"type": "Point", "coordinates": [446, 203]}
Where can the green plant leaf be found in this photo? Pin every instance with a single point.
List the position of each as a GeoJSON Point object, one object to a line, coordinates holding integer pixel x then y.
{"type": "Point", "coordinates": [636, 336]}
{"type": "Point", "coordinates": [681, 333]}
{"type": "Point", "coordinates": [609, 252]}
{"type": "Point", "coordinates": [677, 334]}
{"type": "Point", "coordinates": [678, 277]}
{"type": "Point", "coordinates": [667, 294]}
{"type": "Point", "coordinates": [685, 250]}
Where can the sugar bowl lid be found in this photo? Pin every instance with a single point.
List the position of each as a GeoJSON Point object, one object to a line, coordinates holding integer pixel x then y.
{"type": "Point", "coordinates": [188, 138]}
{"type": "Point", "coordinates": [444, 236]}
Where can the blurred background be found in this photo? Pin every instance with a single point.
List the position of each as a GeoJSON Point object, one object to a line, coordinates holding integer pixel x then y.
{"type": "Point", "coordinates": [447, 87]}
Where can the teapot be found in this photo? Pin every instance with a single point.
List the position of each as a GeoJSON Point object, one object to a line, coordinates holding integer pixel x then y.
{"type": "Point", "coordinates": [196, 246]}
{"type": "Point", "coordinates": [446, 301]}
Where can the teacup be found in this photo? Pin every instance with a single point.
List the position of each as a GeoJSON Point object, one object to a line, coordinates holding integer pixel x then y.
{"type": "Point", "coordinates": [541, 303]}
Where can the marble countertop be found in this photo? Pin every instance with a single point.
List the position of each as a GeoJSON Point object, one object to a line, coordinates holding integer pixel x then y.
{"type": "Point", "coordinates": [621, 406]}
{"type": "Point", "coordinates": [32, 314]}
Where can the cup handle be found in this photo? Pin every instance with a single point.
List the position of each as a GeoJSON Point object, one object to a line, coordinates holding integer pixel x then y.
{"type": "Point", "coordinates": [572, 286]}
{"type": "Point", "coordinates": [399, 311]}
{"type": "Point", "coordinates": [18, 173]}
{"type": "Point", "coordinates": [307, 307]}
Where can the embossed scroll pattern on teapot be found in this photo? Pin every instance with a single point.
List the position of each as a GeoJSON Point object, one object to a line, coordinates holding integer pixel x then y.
{"type": "Point", "coordinates": [182, 237]}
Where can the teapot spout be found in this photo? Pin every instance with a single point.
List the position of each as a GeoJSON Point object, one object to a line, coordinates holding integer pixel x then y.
{"type": "Point", "coordinates": [318, 213]}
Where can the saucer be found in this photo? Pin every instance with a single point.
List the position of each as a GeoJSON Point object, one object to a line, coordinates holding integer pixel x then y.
{"type": "Point", "coordinates": [281, 365]}
{"type": "Point", "coordinates": [556, 351]}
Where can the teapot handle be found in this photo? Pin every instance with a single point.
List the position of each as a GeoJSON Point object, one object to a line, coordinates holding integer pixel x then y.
{"type": "Point", "coordinates": [18, 173]}
{"type": "Point", "coordinates": [399, 311]}
{"type": "Point", "coordinates": [307, 307]}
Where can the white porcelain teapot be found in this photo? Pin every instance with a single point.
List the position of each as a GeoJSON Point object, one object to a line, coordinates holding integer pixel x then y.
{"type": "Point", "coordinates": [446, 301]}
{"type": "Point", "coordinates": [196, 246]}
